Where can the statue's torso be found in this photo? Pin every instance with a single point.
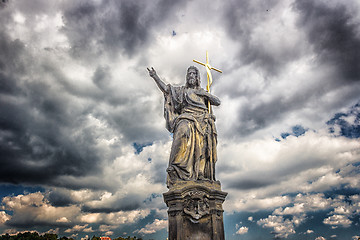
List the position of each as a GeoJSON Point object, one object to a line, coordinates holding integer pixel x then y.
{"type": "Point", "coordinates": [193, 101]}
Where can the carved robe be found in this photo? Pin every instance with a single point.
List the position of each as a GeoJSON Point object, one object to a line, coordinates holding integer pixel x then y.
{"type": "Point", "coordinates": [193, 152]}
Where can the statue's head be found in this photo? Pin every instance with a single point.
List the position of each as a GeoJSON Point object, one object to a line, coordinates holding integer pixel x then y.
{"type": "Point", "coordinates": [192, 77]}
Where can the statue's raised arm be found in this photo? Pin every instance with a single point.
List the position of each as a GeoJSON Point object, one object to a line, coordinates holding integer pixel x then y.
{"type": "Point", "coordinates": [162, 86]}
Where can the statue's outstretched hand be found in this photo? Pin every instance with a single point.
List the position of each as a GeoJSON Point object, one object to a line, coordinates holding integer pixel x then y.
{"type": "Point", "coordinates": [152, 72]}
{"type": "Point", "coordinates": [163, 87]}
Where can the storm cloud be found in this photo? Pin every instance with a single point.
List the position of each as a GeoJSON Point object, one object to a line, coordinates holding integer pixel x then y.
{"type": "Point", "coordinates": [333, 31]}
{"type": "Point", "coordinates": [113, 27]}
{"type": "Point", "coordinates": [83, 142]}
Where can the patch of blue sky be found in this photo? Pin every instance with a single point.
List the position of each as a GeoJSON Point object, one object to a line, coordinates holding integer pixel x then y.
{"type": "Point", "coordinates": [234, 221]}
{"type": "Point", "coordinates": [152, 197]}
{"type": "Point", "coordinates": [160, 234]}
{"type": "Point", "coordinates": [349, 123]}
{"type": "Point", "coordinates": [357, 164]}
{"type": "Point", "coordinates": [344, 191]}
{"type": "Point", "coordinates": [297, 131]}
{"type": "Point", "coordinates": [139, 147]}
{"type": "Point", "coordinates": [314, 222]}
{"type": "Point", "coordinates": [14, 190]}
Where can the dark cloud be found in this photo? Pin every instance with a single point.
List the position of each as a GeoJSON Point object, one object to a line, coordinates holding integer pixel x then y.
{"type": "Point", "coordinates": [254, 117]}
{"type": "Point", "coordinates": [28, 222]}
{"type": "Point", "coordinates": [334, 37]}
{"type": "Point", "coordinates": [60, 198]}
{"type": "Point", "coordinates": [107, 102]}
{"type": "Point", "coordinates": [8, 85]}
{"type": "Point", "coordinates": [263, 178]}
{"type": "Point", "coordinates": [245, 184]}
{"type": "Point", "coordinates": [38, 151]}
{"type": "Point", "coordinates": [334, 34]}
{"type": "Point", "coordinates": [285, 171]}
{"type": "Point", "coordinates": [113, 27]}
{"type": "Point", "coordinates": [128, 203]}
{"type": "Point", "coordinates": [35, 141]}
{"type": "Point", "coordinates": [43, 132]}
{"type": "Point", "coordinates": [11, 53]}
{"type": "Point", "coordinates": [101, 76]}
{"type": "Point", "coordinates": [35, 7]}
{"type": "Point", "coordinates": [11, 63]}
{"type": "Point", "coordinates": [241, 17]}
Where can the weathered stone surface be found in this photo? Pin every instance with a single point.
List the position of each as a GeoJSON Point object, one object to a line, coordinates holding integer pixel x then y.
{"type": "Point", "coordinates": [195, 210]}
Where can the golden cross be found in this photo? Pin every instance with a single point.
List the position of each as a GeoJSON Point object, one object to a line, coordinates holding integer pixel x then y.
{"type": "Point", "coordinates": [208, 73]}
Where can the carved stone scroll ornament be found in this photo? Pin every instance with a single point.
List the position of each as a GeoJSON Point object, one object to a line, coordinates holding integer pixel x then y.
{"type": "Point", "coordinates": [196, 205]}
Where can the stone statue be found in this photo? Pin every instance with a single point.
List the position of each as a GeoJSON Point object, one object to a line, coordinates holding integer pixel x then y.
{"type": "Point", "coordinates": [186, 110]}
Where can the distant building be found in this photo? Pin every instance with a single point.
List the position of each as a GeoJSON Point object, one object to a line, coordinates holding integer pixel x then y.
{"type": "Point", "coordinates": [105, 238]}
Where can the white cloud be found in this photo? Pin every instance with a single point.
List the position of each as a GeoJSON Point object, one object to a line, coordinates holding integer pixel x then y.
{"type": "Point", "coordinates": [89, 229]}
{"type": "Point", "coordinates": [115, 218]}
{"type": "Point", "coordinates": [343, 209]}
{"type": "Point", "coordinates": [62, 220]}
{"type": "Point", "coordinates": [255, 204]}
{"type": "Point", "coordinates": [154, 226]}
{"type": "Point", "coordinates": [4, 217]}
{"type": "Point", "coordinates": [35, 209]}
{"type": "Point", "coordinates": [308, 163]}
{"type": "Point", "coordinates": [105, 228]}
{"type": "Point", "coordinates": [320, 238]}
{"type": "Point", "coordinates": [76, 228]}
{"type": "Point", "coordinates": [281, 227]}
{"type": "Point", "coordinates": [302, 205]}
{"type": "Point", "coordinates": [242, 230]}
{"type": "Point", "coordinates": [305, 203]}
{"type": "Point", "coordinates": [74, 235]}
{"type": "Point", "coordinates": [54, 231]}
{"type": "Point", "coordinates": [338, 220]}
{"type": "Point", "coordinates": [109, 233]}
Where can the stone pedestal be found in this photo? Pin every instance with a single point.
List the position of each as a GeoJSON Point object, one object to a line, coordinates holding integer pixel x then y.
{"type": "Point", "coordinates": [195, 210]}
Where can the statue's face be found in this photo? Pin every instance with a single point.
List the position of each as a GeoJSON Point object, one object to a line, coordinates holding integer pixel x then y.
{"type": "Point", "coordinates": [191, 77]}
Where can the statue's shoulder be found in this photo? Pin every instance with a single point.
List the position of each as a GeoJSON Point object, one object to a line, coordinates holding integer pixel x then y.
{"type": "Point", "coordinates": [176, 90]}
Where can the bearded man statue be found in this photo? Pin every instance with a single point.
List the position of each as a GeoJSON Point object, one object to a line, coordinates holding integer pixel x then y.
{"type": "Point", "coordinates": [193, 151]}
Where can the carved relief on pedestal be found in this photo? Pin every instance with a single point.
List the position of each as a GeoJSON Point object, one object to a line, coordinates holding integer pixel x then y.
{"type": "Point", "coordinates": [196, 205]}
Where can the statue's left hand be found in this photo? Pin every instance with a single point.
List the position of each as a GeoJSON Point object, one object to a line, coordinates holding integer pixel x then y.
{"type": "Point", "coordinates": [201, 92]}
{"type": "Point", "coordinates": [213, 99]}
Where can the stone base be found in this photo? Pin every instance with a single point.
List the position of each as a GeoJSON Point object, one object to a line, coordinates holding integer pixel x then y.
{"type": "Point", "coordinates": [195, 210]}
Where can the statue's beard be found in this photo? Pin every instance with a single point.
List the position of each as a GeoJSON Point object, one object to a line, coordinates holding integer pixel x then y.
{"type": "Point", "coordinates": [191, 82]}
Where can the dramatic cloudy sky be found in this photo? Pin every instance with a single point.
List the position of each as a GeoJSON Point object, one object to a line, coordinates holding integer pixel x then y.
{"type": "Point", "coordinates": [83, 144]}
